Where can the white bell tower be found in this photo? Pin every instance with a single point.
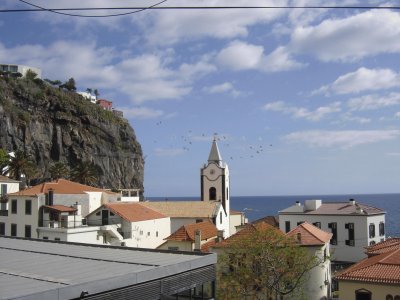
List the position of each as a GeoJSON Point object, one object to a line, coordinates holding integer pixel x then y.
{"type": "Point", "coordinates": [214, 179]}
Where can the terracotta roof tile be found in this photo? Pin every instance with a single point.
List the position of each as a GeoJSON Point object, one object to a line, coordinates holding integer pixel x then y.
{"type": "Point", "coordinates": [60, 186]}
{"type": "Point", "coordinates": [247, 230]}
{"type": "Point", "coordinates": [271, 220]}
{"type": "Point", "coordinates": [60, 208]}
{"type": "Point", "coordinates": [187, 232]}
{"type": "Point", "coordinates": [185, 209]}
{"type": "Point", "coordinates": [388, 245]}
{"type": "Point", "coordinates": [235, 212]}
{"type": "Point", "coordinates": [205, 248]}
{"type": "Point", "coordinates": [382, 268]}
{"type": "Point", "coordinates": [310, 235]}
{"type": "Point", "coordinates": [6, 179]}
{"type": "Point", "coordinates": [133, 212]}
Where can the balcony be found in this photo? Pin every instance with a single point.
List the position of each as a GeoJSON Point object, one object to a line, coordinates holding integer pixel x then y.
{"type": "Point", "coordinates": [4, 213]}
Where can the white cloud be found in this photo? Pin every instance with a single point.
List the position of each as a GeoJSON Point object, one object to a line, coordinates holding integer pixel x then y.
{"type": "Point", "coordinates": [351, 38]}
{"type": "Point", "coordinates": [143, 78]}
{"type": "Point", "coordinates": [343, 139]}
{"type": "Point", "coordinates": [397, 115]}
{"type": "Point", "coordinates": [219, 88]}
{"type": "Point", "coordinates": [169, 151]}
{"type": "Point", "coordinates": [141, 112]}
{"type": "Point", "coordinates": [301, 112]}
{"type": "Point", "coordinates": [172, 26]}
{"type": "Point", "coordinates": [350, 118]}
{"type": "Point", "coordinates": [371, 102]}
{"type": "Point", "coordinates": [362, 80]}
{"type": "Point", "coordinates": [239, 55]}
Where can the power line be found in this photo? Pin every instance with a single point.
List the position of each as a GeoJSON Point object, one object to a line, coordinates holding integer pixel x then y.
{"type": "Point", "coordinates": [58, 11]}
{"type": "Point", "coordinates": [157, 6]}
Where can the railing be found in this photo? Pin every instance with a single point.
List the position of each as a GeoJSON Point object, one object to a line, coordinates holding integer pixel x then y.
{"type": "Point", "coordinates": [4, 213]}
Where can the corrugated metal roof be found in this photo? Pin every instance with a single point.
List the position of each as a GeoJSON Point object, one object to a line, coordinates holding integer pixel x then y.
{"type": "Point", "coordinates": [36, 266]}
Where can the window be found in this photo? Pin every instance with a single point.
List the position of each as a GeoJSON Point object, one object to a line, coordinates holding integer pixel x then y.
{"type": "Point", "coordinates": [287, 226]}
{"type": "Point", "coordinates": [220, 217]}
{"type": "Point", "coordinates": [350, 228]}
{"type": "Point", "coordinates": [45, 237]}
{"type": "Point", "coordinates": [333, 227]}
{"type": "Point", "coordinates": [14, 206]}
{"type": "Point", "coordinates": [112, 214]}
{"type": "Point", "coordinates": [199, 220]}
{"type": "Point", "coordinates": [98, 213]}
{"type": "Point", "coordinates": [173, 248]}
{"type": "Point", "coordinates": [389, 297]}
{"type": "Point", "coordinates": [371, 243]}
{"type": "Point", "coordinates": [317, 224]}
{"type": "Point", "coordinates": [3, 189]}
{"type": "Point", "coordinates": [28, 207]}
{"type": "Point", "coordinates": [372, 230]}
{"type": "Point", "coordinates": [227, 194]}
{"type": "Point", "coordinates": [141, 232]}
{"type": "Point", "coordinates": [156, 233]}
{"type": "Point", "coordinates": [13, 229]}
{"type": "Point", "coordinates": [213, 193]}
{"type": "Point", "coordinates": [2, 229]}
{"type": "Point", "coordinates": [381, 229]}
{"type": "Point", "coordinates": [28, 231]}
{"type": "Point", "coordinates": [148, 233]}
{"type": "Point", "coordinates": [57, 239]}
{"type": "Point", "coordinates": [397, 297]}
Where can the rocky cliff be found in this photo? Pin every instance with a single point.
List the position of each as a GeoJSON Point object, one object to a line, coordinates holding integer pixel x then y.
{"type": "Point", "coordinates": [54, 125]}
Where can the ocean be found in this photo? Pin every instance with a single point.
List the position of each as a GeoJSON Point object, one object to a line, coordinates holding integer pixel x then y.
{"type": "Point", "coordinates": [256, 207]}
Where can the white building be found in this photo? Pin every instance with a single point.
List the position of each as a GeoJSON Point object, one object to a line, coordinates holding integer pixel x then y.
{"type": "Point", "coordinates": [353, 225]}
{"type": "Point", "coordinates": [57, 204]}
{"type": "Point", "coordinates": [88, 96]}
{"type": "Point", "coordinates": [318, 280]}
{"type": "Point", "coordinates": [12, 68]}
{"type": "Point", "coordinates": [130, 224]}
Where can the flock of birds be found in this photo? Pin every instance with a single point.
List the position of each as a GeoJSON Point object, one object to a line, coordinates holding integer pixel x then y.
{"type": "Point", "coordinates": [185, 142]}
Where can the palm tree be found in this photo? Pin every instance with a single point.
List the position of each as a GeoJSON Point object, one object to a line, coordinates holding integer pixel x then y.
{"type": "Point", "coordinates": [89, 90]}
{"type": "Point", "coordinates": [85, 173]}
{"type": "Point", "coordinates": [20, 164]}
{"type": "Point", "coordinates": [59, 170]}
{"type": "Point", "coordinates": [4, 161]}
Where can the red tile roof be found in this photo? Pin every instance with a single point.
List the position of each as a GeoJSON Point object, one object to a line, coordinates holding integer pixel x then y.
{"type": "Point", "coordinates": [185, 209]}
{"type": "Point", "coordinates": [271, 220]}
{"type": "Point", "coordinates": [310, 235]}
{"type": "Point", "coordinates": [60, 208]}
{"type": "Point", "coordinates": [133, 212]}
{"type": "Point", "coordinates": [388, 245]}
{"type": "Point", "coordinates": [60, 186]}
{"type": "Point", "coordinates": [187, 232]}
{"type": "Point", "coordinates": [235, 212]}
{"type": "Point", "coordinates": [247, 230]}
{"type": "Point", "coordinates": [382, 268]}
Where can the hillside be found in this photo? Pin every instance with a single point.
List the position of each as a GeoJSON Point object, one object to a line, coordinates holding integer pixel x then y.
{"type": "Point", "coordinates": [53, 125]}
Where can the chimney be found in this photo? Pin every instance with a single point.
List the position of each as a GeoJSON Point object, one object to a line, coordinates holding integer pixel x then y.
{"type": "Point", "coordinates": [220, 236]}
{"type": "Point", "coordinates": [352, 201]}
{"type": "Point", "coordinates": [297, 203]}
{"type": "Point", "coordinates": [197, 240]}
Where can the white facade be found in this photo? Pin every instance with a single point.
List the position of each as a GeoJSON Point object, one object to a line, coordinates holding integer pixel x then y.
{"type": "Point", "coordinates": [215, 186]}
{"type": "Point", "coordinates": [81, 234]}
{"type": "Point", "coordinates": [346, 246]}
{"type": "Point", "coordinates": [88, 96]}
{"type": "Point", "coordinates": [20, 69]}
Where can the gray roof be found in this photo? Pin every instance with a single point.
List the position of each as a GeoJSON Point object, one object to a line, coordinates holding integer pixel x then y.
{"type": "Point", "coordinates": [6, 179]}
{"type": "Point", "coordinates": [335, 208]}
{"type": "Point", "coordinates": [214, 153]}
{"type": "Point", "coordinates": [29, 268]}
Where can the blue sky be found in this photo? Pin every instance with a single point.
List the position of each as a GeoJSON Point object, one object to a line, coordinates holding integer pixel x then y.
{"type": "Point", "coordinates": [303, 101]}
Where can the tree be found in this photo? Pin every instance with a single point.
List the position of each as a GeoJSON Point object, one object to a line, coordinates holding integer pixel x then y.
{"type": "Point", "coordinates": [4, 161]}
{"type": "Point", "coordinates": [30, 75]}
{"type": "Point", "coordinates": [59, 170]}
{"type": "Point", "coordinates": [260, 262]}
{"type": "Point", "coordinates": [85, 173]}
{"type": "Point", "coordinates": [96, 93]}
{"type": "Point", "coordinates": [69, 85]}
{"type": "Point", "coordinates": [89, 90]}
{"type": "Point", "coordinates": [20, 164]}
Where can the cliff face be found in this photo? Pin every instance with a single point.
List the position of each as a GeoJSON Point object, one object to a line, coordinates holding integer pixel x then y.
{"type": "Point", "coordinates": [53, 125]}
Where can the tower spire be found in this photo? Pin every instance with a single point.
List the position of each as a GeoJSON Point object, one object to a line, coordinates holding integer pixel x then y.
{"type": "Point", "coordinates": [214, 153]}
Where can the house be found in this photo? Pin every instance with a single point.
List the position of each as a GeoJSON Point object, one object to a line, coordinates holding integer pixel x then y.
{"type": "Point", "coordinates": [318, 281]}
{"type": "Point", "coordinates": [130, 224]}
{"type": "Point", "coordinates": [191, 237]}
{"type": "Point", "coordinates": [51, 206]}
{"type": "Point", "coordinates": [88, 96]}
{"type": "Point", "coordinates": [14, 69]}
{"type": "Point", "coordinates": [237, 220]}
{"type": "Point", "coordinates": [189, 212]}
{"type": "Point", "coordinates": [374, 277]}
{"type": "Point", "coordinates": [38, 270]}
{"type": "Point", "coordinates": [105, 104]}
{"type": "Point", "coordinates": [353, 225]}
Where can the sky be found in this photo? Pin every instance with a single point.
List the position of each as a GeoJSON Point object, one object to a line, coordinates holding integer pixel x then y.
{"type": "Point", "coordinates": [302, 101]}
